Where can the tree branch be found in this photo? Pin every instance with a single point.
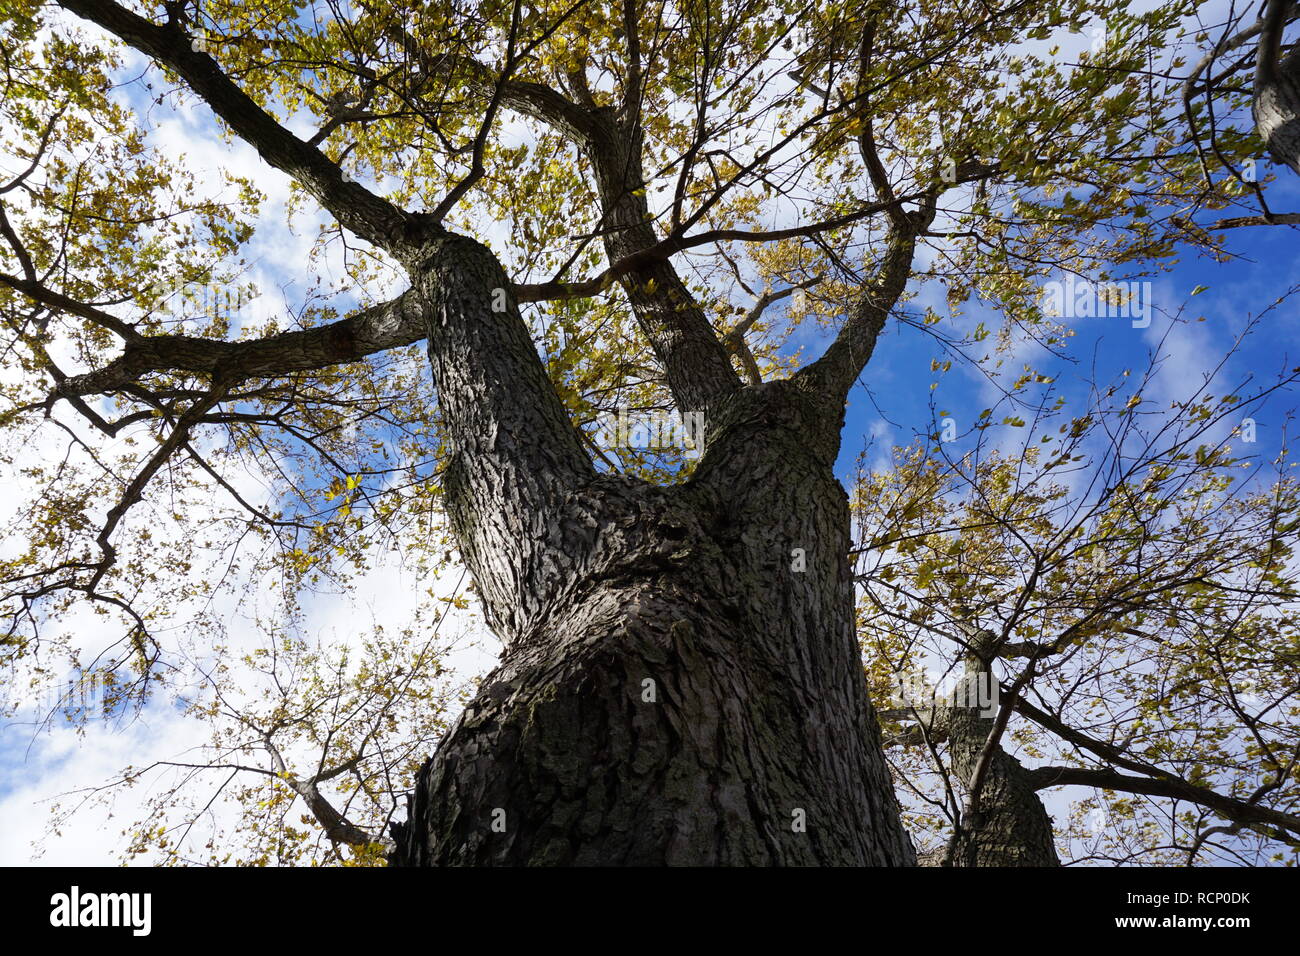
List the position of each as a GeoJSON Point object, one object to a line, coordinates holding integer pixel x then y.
{"type": "Point", "coordinates": [695, 363]}
{"type": "Point", "coordinates": [337, 827]}
{"type": "Point", "coordinates": [1239, 811]}
{"type": "Point", "coordinates": [734, 341]}
{"type": "Point", "coordinates": [355, 207]}
{"type": "Point", "coordinates": [842, 362]}
{"type": "Point", "coordinates": [374, 329]}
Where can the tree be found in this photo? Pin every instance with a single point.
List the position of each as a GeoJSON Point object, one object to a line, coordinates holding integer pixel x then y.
{"type": "Point", "coordinates": [1122, 599]}
{"type": "Point", "coordinates": [681, 681]}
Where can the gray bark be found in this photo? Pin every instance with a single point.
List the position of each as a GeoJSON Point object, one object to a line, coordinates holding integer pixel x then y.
{"type": "Point", "coordinates": [1008, 824]}
{"type": "Point", "coordinates": [1276, 104]}
{"type": "Point", "coordinates": [753, 743]}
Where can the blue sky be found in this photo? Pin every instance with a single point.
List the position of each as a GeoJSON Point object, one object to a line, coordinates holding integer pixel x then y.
{"type": "Point", "coordinates": [888, 405]}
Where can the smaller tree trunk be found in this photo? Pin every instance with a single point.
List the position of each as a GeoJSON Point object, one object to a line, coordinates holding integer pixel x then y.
{"type": "Point", "coordinates": [1277, 113]}
{"type": "Point", "coordinates": [1009, 825]}
{"type": "Point", "coordinates": [1276, 104]}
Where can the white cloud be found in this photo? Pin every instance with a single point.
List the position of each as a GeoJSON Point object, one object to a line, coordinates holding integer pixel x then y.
{"type": "Point", "coordinates": [40, 767]}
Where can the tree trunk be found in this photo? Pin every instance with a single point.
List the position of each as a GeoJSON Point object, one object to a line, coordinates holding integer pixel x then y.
{"type": "Point", "coordinates": [692, 692]}
{"type": "Point", "coordinates": [1276, 103]}
{"type": "Point", "coordinates": [1008, 824]}
{"type": "Point", "coordinates": [1277, 113]}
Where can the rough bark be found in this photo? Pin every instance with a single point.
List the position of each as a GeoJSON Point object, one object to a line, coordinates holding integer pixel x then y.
{"type": "Point", "coordinates": [755, 719]}
{"type": "Point", "coordinates": [1276, 105]}
{"type": "Point", "coordinates": [515, 456]}
{"type": "Point", "coordinates": [1008, 825]}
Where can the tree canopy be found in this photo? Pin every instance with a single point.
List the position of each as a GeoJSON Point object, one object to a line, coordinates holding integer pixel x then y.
{"type": "Point", "coordinates": [685, 198]}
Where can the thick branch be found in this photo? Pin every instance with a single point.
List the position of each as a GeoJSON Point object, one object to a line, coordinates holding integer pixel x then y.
{"type": "Point", "coordinates": [837, 369]}
{"type": "Point", "coordinates": [1272, 219]}
{"type": "Point", "coordinates": [337, 827]}
{"type": "Point", "coordinates": [695, 362]}
{"type": "Point", "coordinates": [46, 296]}
{"type": "Point", "coordinates": [835, 372]}
{"type": "Point", "coordinates": [867, 138]}
{"type": "Point", "coordinates": [1276, 103]}
{"type": "Point", "coordinates": [355, 207]}
{"type": "Point", "coordinates": [516, 458]}
{"type": "Point", "coordinates": [375, 329]}
{"type": "Point", "coordinates": [1161, 783]}
{"type": "Point", "coordinates": [533, 99]}
{"type": "Point", "coordinates": [1239, 811]}
{"type": "Point", "coordinates": [1269, 47]}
